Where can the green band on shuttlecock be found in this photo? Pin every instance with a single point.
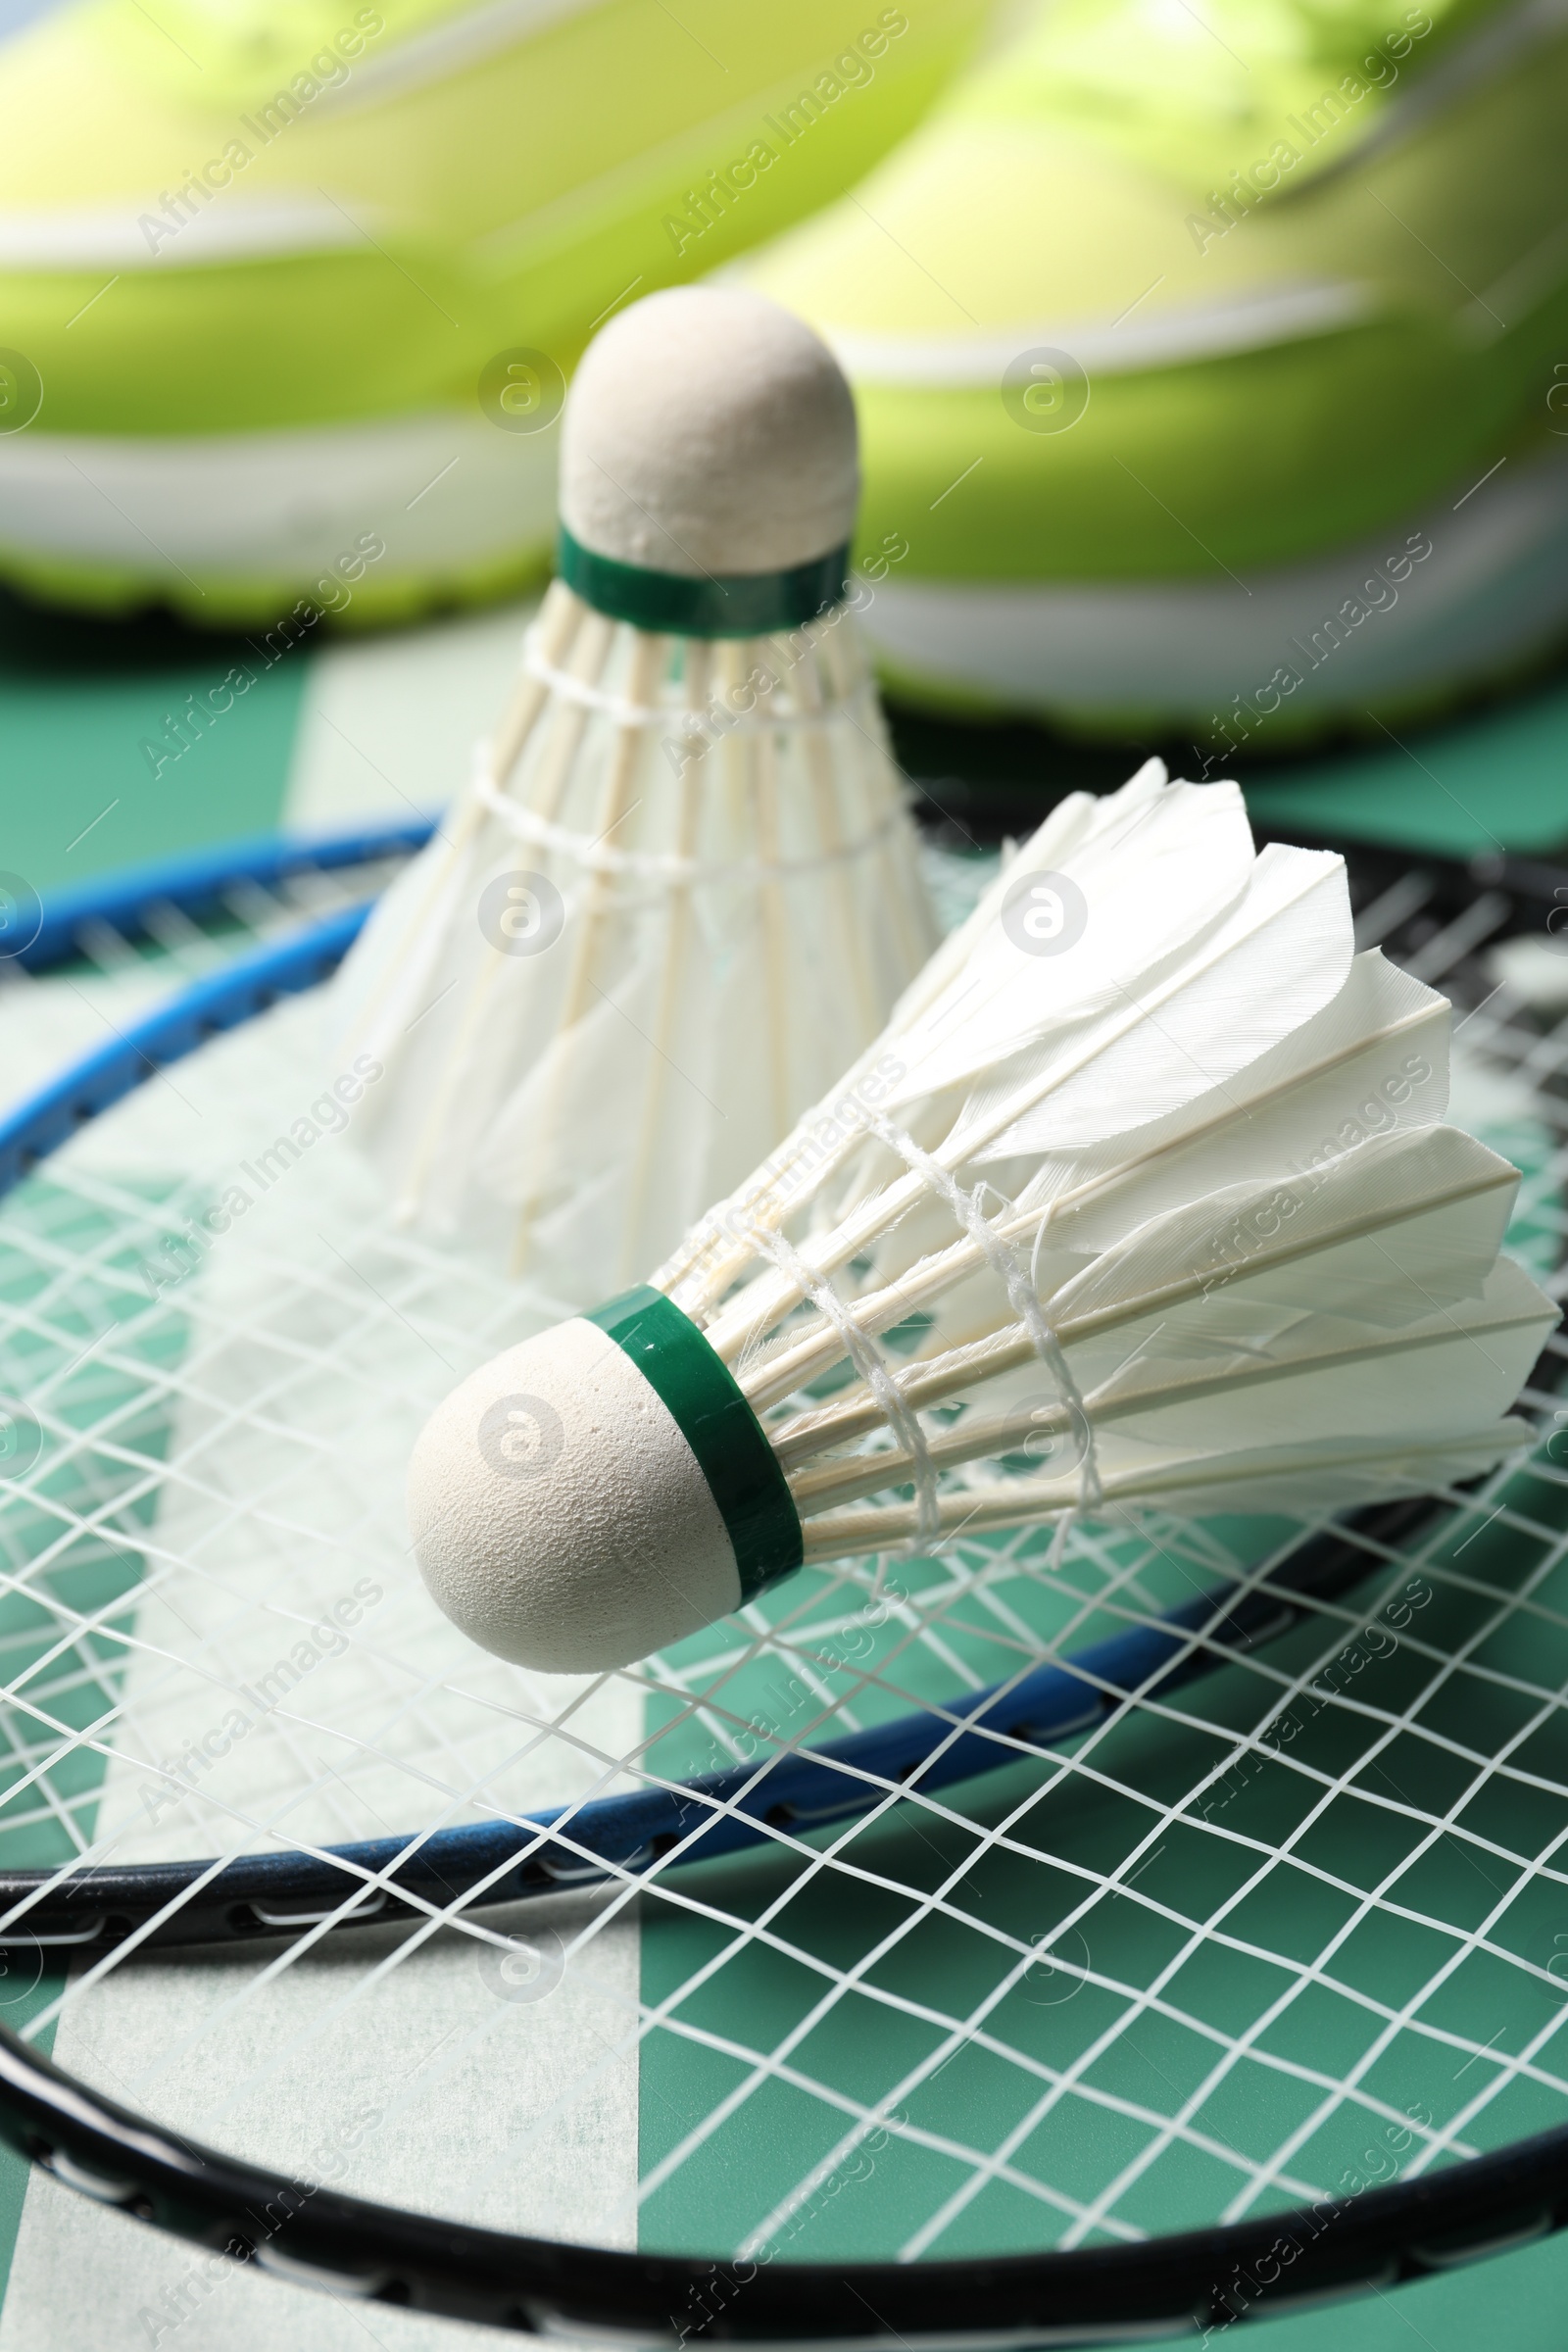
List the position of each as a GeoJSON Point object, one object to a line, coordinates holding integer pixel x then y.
{"type": "Point", "coordinates": [742, 604]}
{"type": "Point", "coordinates": [712, 1415]}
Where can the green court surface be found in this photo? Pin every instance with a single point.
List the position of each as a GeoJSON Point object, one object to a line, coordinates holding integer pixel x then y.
{"type": "Point", "coordinates": [1494, 781]}
{"type": "Point", "coordinates": [101, 765]}
{"type": "Point", "coordinates": [93, 773]}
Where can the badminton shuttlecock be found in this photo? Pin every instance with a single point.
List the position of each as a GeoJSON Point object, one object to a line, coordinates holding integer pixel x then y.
{"type": "Point", "coordinates": [682, 888]}
{"type": "Point", "coordinates": [1142, 1198]}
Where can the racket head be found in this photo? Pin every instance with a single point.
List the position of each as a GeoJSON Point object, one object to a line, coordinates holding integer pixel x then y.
{"type": "Point", "coordinates": [219, 1439]}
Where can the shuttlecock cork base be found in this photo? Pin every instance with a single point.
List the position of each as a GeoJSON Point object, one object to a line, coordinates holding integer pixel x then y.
{"type": "Point", "coordinates": [709, 469]}
{"type": "Point", "coordinates": [598, 1492]}
{"type": "Point", "coordinates": [1143, 1197]}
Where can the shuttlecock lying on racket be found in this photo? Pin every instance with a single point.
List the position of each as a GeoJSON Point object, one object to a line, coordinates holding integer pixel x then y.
{"type": "Point", "coordinates": [1142, 1198]}
{"type": "Point", "coordinates": [682, 888]}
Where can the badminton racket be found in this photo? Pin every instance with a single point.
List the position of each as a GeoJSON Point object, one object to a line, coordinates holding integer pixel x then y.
{"type": "Point", "coordinates": [1014, 1946]}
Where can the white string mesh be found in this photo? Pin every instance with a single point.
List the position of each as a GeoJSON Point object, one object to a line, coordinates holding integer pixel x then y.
{"type": "Point", "coordinates": [1246, 1939]}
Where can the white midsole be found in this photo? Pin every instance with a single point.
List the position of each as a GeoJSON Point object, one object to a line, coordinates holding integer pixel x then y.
{"type": "Point", "coordinates": [1494, 588]}
{"type": "Point", "coordinates": [442, 490]}
{"type": "Point", "coordinates": [451, 492]}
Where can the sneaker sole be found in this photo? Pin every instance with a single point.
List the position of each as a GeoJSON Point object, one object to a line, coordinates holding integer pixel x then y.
{"type": "Point", "coordinates": [462, 510]}
{"type": "Point", "coordinates": [1214, 657]}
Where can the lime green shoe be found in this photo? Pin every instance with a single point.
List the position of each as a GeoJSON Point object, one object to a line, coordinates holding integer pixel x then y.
{"type": "Point", "coordinates": [1205, 356]}
{"type": "Point", "coordinates": [288, 288]}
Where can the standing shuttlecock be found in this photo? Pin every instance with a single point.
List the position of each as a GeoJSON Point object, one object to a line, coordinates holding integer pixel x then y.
{"type": "Point", "coordinates": [1143, 1197]}
{"type": "Point", "coordinates": [682, 888]}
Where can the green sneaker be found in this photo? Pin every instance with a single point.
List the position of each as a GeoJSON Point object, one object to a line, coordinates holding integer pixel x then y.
{"type": "Point", "coordinates": [1205, 362]}
{"type": "Point", "coordinates": [289, 288]}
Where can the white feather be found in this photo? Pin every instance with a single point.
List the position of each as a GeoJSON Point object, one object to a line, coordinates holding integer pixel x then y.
{"type": "Point", "coordinates": [1372, 1064]}
{"type": "Point", "coordinates": [1436, 1378]}
{"type": "Point", "coordinates": [1222, 1197]}
{"type": "Point", "coordinates": [1383, 1238]}
{"type": "Point", "coordinates": [1280, 955]}
{"type": "Point", "coordinates": [1306, 1480]}
{"type": "Point", "coordinates": [574, 1108]}
{"type": "Point", "coordinates": [1156, 879]}
{"type": "Point", "coordinates": [1174, 1204]}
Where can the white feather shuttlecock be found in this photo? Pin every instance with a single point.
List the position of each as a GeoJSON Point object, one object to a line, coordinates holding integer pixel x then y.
{"type": "Point", "coordinates": [1142, 1198]}
{"type": "Point", "coordinates": [682, 886]}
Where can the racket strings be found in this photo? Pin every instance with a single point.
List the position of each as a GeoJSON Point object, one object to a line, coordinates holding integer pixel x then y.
{"type": "Point", "coordinates": [1155, 1832]}
{"type": "Point", "coordinates": [172, 946]}
{"type": "Point", "coordinates": [1025, 1895]}
{"type": "Point", "coordinates": [952, 1661]}
{"type": "Point", "coordinates": [78, 1527]}
{"type": "Point", "coordinates": [1472, 2044]}
{"type": "Point", "coordinates": [1388, 1728]}
{"type": "Point", "coordinates": [970, 2029]}
{"type": "Point", "coordinates": [1296, 2185]}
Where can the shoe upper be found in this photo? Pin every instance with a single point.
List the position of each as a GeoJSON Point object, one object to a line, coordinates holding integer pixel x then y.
{"type": "Point", "coordinates": [1109, 151]}
{"type": "Point", "coordinates": [224, 214]}
{"type": "Point", "coordinates": [1192, 92]}
{"type": "Point", "coordinates": [1276, 267]}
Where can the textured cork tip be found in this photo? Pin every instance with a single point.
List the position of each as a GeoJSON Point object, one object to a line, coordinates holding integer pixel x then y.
{"type": "Point", "coordinates": [558, 1516]}
{"type": "Point", "coordinates": [709, 432]}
